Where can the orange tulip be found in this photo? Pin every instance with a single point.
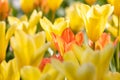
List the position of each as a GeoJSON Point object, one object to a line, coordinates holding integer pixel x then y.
{"type": "Point", "coordinates": [90, 2]}
{"type": "Point", "coordinates": [42, 4]}
{"type": "Point", "coordinates": [27, 5]}
{"type": "Point", "coordinates": [64, 42]}
{"type": "Point", "coordinates": [4, 9]}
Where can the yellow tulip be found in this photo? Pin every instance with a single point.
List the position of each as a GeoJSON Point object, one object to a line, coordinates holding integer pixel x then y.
{"type": "Point", "coordinates": [54, 4]}
{"type": "Point", "coordinates": [27, 5]}
{"type": "Point", "coordinates": [110, 1]}
{"type": "Point", "coordinates": [59, 25]}
{"type": "Point", "coordinates": [76, 21]}
{"type": "Point", "coordinates": [100, 59]}
{"type": "Point", "coordinates": [30, 73]}
{"type": "Point", "coordinates": [90, 2]}
{"type": "Point", "coordinates": [33, 73]}
{"type": "Point", "coordinates": [114, 75]}
{"type": "Point", "coordinates": [28, 50]}
{"type": "Point", "coordinates": [116, 4]}
{"type": "Point", "coordinates": [9, 71]}
{"type": "Point", "coordinates": [95, 19]}
{"type": "Point", "coordinates": [112, 30]}
{"type": "Point", "coordinates": [28, 26]}
{"type": "Point", "coordinates": [73, 71]}
{"type": "Point", "coordinates": [4, 38]}
{"type": "Point", "coordinates": [113, 27]}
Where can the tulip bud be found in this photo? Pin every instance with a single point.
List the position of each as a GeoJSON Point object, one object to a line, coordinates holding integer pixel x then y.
{"type": "Point", "coordinates": [116, 4]}
{"type": "Point", "coordinates": [90, 2]}
{"type": "Point", "coordinates": [27, 5]}
{"type": "Point", "coordinates": [4, 9]}
{"type": "Point", "coordinates": [54, 4]}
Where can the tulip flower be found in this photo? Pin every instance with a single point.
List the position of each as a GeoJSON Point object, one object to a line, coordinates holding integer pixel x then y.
{"type": "Point", "coordinates": [30, 73]}
{"type": "Point", "coordinates": [95, 19]}
{"type": "Point", "coordinates": [9, 71]}
{"type": "Point", "coordinates": [59, 25]}
{"type": "Point", "coordinates": [49, 73]}
{"type": "Point", "coordinates": [4, 9]}
{"type": "Point", "coordinates": [27, 7]}
{"type": "Point", "coordinates": [54, 4]}
{"type": "Point", "coordinates": [90, 2]}
{"type": "Point", "coordinates": [64, 42]}
{"type": "Point", "coordinates": [100, 59]}
{"type": "Point", "coordinates": [76, 21]}
{"type": "Point", "coordinates": [28, 26]}
{"type": "Point", "coordinates": [114, 75]}
{"type": "Point", "coordinates": [4, 38]}
{"type": "Point", "coordinates": [116, 5]}
{"type": "Point", "coordinates": [43, 5]}
{"type": "Point", "coordinates": [28, 50]}
{"type": "Point", "coordinates": [73, 71]}
{"type": "Point", "coordinates": [113, 27]}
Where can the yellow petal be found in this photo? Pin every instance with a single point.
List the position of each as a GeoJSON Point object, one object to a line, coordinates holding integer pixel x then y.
{"type": "Point", "coordinates": [24, 47]}
{"type": "Point", "coordinates": [3, 68]}
{"type": "Point", "coordinates": [30, 73]}
{"type": "Point", "coordinates": [58, 65]}
{"type": "Point", "coordinates": [116, 7]}
{"type": "Point", "coordinates": [76, 21]}
{"type": "Point", "coordinates": [23, 18]}
{"type": "Point", "coordinates": [49, 73]}
{"type": "Point", "coordinates": [106, 10]}
{"type": "Point", "coordinates": [59, 25]}
{"type": "Point", "coordinates": [54, 5]}
{"type": "Point", "coordinates": [47, 27]}
{"type": "Point", "coordinates": [38, 55]}
{"type": "Point", "coordinates": [12, 20]}
{"type": "Point", "coordinates": [69, 56]}
{"type": "Point", "coordinates": [82, 11]}
{"type": "Point", "coordinates": [13, 68]}
{"type": "Point", "coordinates": [46, 24]}
{"type": "Point", "coordinates": [86, 72]}
{"type": "Point", "coordinates": [7, 68]}
{"type": "Point", "coordinates": [39, 39]}
{"type": "Point", "coordinates": [112, 30]}
{"type": "Point", "coordinates": [114, 75]}
{"type": "Point", "coordinates": [2, 41]}
{"type": "Point", "coordinates": [34, 19]}
{"type": "Point", "coordinates": [10, 32]}
{"type": "Point", "coordinates": [27, 7]}
{"type": "Point", "coordinates": [106, 56]}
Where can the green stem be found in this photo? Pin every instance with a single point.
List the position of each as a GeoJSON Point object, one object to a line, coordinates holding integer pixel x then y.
{"type": "Point", "coordinates": [53, 16]}
{"type": "Point", "coordinates": [117, 55]}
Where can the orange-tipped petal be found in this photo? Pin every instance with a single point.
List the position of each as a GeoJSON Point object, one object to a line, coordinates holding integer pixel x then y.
{"type": "Point", "coordinates": [104, 39]}
{"type": "Point", "coordinates": [68, 36]}
{"type": "Point", "coordinates": [59, 43]}
{"type": "Point", "coordinates": [79, 38]}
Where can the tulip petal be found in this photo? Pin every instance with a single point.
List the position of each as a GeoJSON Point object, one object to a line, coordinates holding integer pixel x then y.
{"type": "Point", "coordinates": [34, 19]}
{"type": "Point", "coordinates": [39, 39]}
{"type": "Point", "coordinates": [37, 57]}
{"type": "Point", "coordinates": [3, 41]}
{"type": "Point", "coordinates": [69, 56]}
{"type": "Point", "coordinates": [30, 73]}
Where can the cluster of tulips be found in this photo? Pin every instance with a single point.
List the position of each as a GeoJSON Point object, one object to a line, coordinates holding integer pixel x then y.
{"type": "Point", "coordinates": [82, 45]}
